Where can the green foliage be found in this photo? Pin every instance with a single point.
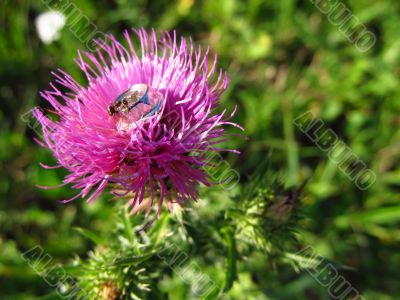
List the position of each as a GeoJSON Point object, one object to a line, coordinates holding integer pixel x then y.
{"type": "Point", "coordinates": [266, 217]}
{"type": "Point", "coordinates": [122, 267]}
{"type": "Point", "coordinates": [133, 261]}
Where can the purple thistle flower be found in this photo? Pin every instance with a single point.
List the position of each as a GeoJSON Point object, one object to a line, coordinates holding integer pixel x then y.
{"type": "Point", "coordinates": [144, 122]}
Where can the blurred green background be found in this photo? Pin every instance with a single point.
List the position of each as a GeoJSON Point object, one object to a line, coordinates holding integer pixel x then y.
{"type": "Point", "coordinates": [284, 58]}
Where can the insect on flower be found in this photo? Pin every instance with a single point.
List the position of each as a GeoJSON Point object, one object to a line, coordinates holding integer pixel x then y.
{"type": "Point", "coordinates": [142, 124]}
{"type": "Point", "coordinates": [138, 102]}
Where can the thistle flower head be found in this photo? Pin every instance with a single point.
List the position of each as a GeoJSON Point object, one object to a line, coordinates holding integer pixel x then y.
{"type": "Point", "coordinates": [143, 122]}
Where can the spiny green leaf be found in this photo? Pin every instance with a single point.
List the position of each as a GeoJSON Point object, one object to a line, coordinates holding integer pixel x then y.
{"type": "Point", "coordinates": [231, 257]}
{"type": "Point", "coordinates": [384, 215]}
{"type": "Point", "coordinates": [90, 235]}
{"type": "Point", "coordinates": [137, 259]}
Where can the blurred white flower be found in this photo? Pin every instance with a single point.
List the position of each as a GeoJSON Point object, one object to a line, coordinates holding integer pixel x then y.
{"type": "Point", "coordinates": [49, 25]}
